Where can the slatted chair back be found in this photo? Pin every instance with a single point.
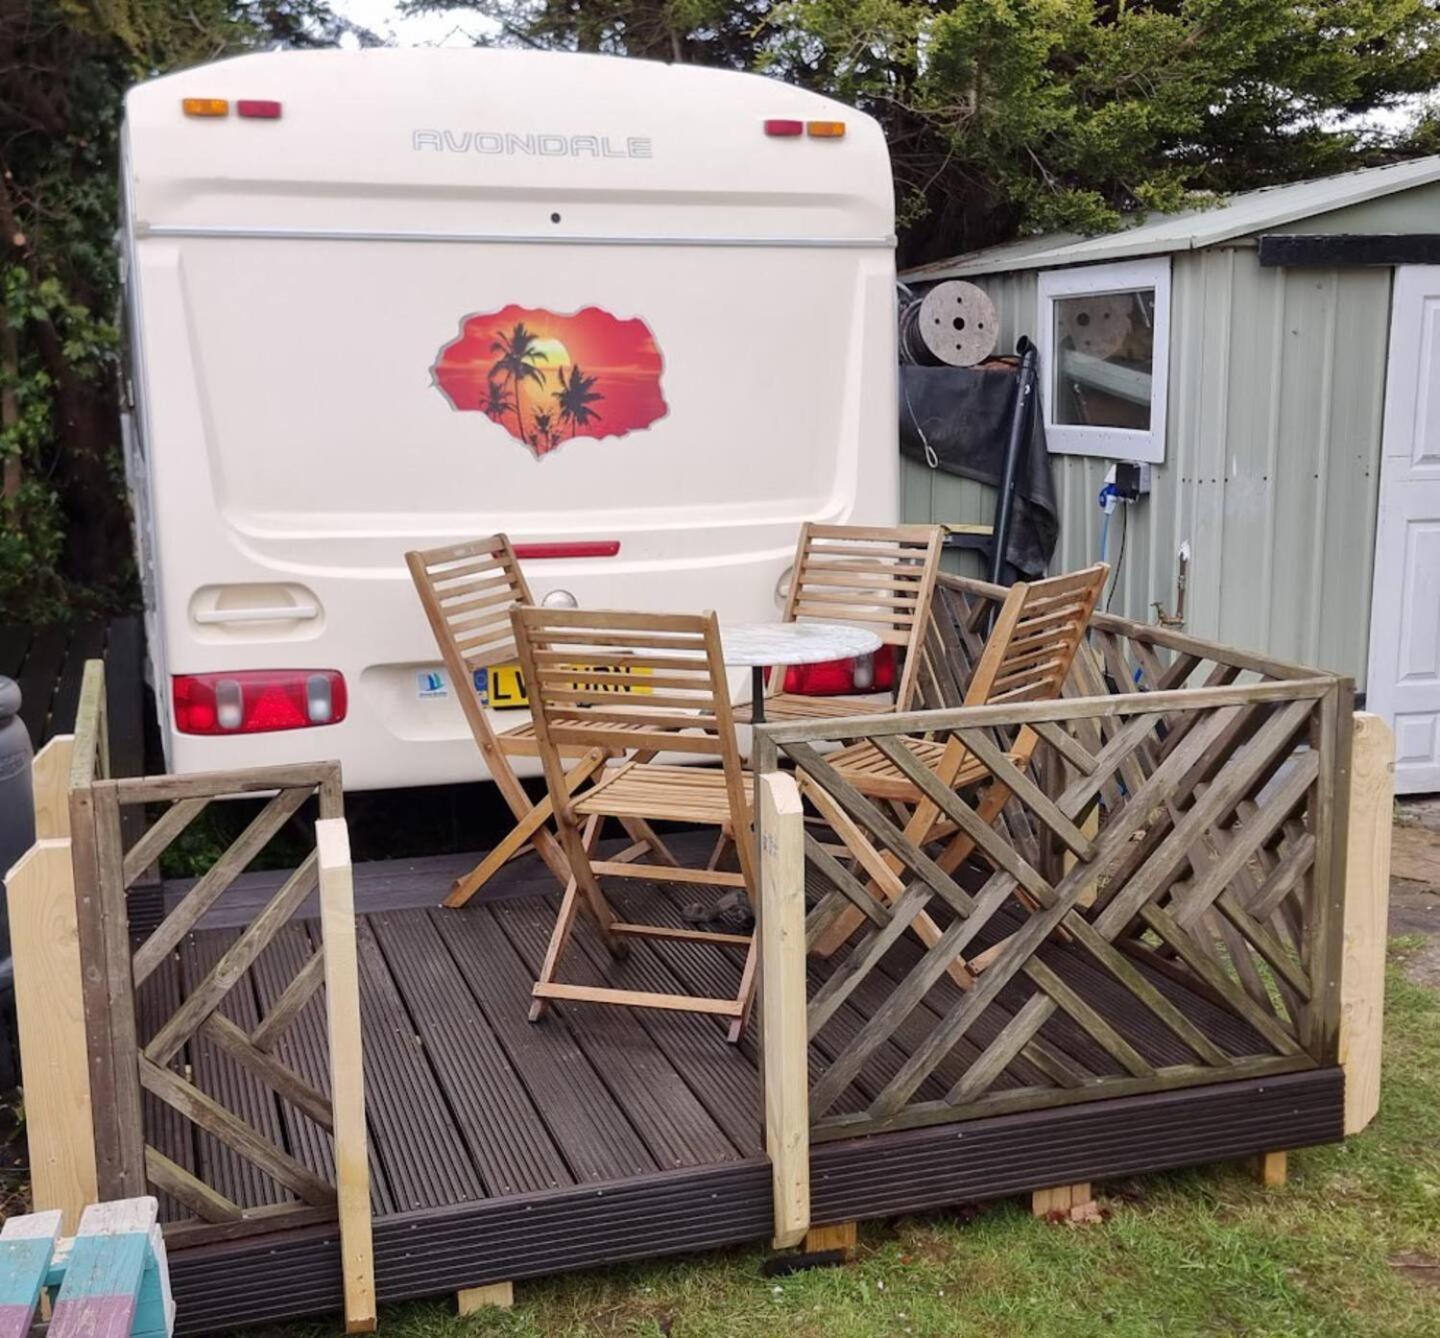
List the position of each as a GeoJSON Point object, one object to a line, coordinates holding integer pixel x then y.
{"type": "Point", "coordinates": [880, 577]}
{"type": "Point", "coordinates": [467, 591]}
{"type": "Point", "coordinates": [1026, 657]}
{"type": "Point", "coordinates": [1035, 638]}
{"type": "Point", "coordinates": [660, 677]}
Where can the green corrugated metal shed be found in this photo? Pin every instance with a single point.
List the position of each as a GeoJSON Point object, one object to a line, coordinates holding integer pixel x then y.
{"type": "Point", "coordinates": [1273, 430]}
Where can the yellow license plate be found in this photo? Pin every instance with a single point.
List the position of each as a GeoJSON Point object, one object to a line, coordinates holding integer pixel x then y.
{"type": "Point", "coordinates": [502, 686]}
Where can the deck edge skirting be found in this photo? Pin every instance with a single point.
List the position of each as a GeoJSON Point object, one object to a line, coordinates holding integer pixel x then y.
{"type": "Point", "coordinates": [937, 1167]}
{"type": "Point", "coordinates": [436, 1251]}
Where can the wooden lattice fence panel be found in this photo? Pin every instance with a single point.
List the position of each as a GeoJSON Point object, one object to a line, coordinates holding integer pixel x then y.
{"type": "Point", "coordinates": [164, 1063]}
{"type": "Point", "coordinates": [1188, 936]}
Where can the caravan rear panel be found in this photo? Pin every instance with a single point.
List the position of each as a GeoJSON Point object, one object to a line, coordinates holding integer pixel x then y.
{"type": "Point", "coordinates": [587, 301]}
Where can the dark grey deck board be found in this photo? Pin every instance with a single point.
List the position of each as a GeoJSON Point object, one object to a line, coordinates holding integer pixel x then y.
{"type": "Point", "coordinates": [303, 1047]}
{"type": "Point", "coordinates": [658, 1101]}
{"type": "Point", "coordinates": [411, 1123]}
{"type": "Point", "coordinates": [503, 1131]}
{"type": "Point", "coordinates": [166, 1129]}
{"type": "Point", "coordinates": [717, 971]}
{"type": "Point", "coordinates": [723, 1077]}
{"type": "Point", "coordinates": [38, 676]}
{"type": "Point", "coordinates": [87, 642]}
{"type": "Point", "coordinates": [583, 1118]}
{"type": "Point", "coordinates": [238, 1090]}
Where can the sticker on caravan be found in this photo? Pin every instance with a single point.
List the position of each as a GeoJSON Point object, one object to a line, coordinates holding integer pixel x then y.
{"type": "Point", "coordinates": [430, 683]}
{"type": "Point", "coordinates": [547, 379]}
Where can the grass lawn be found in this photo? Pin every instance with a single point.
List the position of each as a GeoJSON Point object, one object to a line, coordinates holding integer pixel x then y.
{"type": "Point", "coordinates": [1350, 1245]}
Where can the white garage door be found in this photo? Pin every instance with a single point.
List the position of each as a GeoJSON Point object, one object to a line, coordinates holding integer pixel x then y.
{"type": "Point", "coordinates": [1404, 674]}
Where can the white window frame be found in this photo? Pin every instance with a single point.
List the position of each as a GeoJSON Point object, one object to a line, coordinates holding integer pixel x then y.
{"type": "Point", "coordinates": [1113, 443]}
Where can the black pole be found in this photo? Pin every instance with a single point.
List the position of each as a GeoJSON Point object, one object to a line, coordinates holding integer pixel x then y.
{"type": "Point", "coordinates": [1019, 432]}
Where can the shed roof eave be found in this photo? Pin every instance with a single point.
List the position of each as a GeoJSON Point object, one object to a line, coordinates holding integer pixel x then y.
{"type": "Point", "coordinates": [1193, 229]}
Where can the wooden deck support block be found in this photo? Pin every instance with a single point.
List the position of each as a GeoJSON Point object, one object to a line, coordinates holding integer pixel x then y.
{"type": "Point", "coordinates": [1367, 903]}
{"type": "Point", "coordinates": [1269, 1169]}
{"type": "Point", "coordinates": [838, 1237]}
{"type": "Point", "coordinates": [471, 1299]}
{"type": "Point", "coordinates": [1073, 1201]}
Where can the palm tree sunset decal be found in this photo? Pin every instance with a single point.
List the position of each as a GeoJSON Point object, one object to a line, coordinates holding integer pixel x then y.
{"type": "Point", "coordinates": [547, 378]}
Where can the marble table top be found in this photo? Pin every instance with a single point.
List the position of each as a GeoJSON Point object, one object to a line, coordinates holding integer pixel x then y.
{"type": "Point", "coordinates": [794, 643]}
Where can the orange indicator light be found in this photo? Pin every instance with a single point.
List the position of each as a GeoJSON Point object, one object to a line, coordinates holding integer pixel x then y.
{"type": "Point", "coordinates": [205, 106]}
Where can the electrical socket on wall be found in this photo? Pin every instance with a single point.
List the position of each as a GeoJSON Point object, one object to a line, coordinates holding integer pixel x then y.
{"type": "Point", "coordinates": [1129, 478]}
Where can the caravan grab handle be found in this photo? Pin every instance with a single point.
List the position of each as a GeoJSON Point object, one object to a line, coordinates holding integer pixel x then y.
{"type": "Point", "coordinates": [289, 613]}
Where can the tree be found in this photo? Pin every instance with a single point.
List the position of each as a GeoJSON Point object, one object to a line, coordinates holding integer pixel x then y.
{"type": "Point", "coordinates": [64, 532]}
{"type": "Point", "coordinates": [543, 438]}
{"type": "Point", "coordinates": [518, 356]}
{"type": "Point", "coordinates": [1013, 116]}
{"type": "Point", "coordinates": [575, 397]}
{"type": "Point", "coordinates": [496, 403]}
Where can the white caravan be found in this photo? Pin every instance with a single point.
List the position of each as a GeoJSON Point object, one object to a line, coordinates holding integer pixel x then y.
{"type": "Point", "coordinates": [638, 316]}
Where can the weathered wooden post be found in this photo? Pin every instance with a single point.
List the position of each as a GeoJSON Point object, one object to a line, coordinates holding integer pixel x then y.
{"type": "Point", "coordinates": [347, 1074]}
{"type": "Point", "coordinates": [1367, 902]}
{"type": "Point", "coordinates": [782, 1002]}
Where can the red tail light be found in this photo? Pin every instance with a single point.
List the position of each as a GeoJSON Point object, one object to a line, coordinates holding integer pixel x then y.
{"type": "Point", "coordinates": [836, 678]}
{"type": "Point", "coordinates": [258, 109]}
{"type": "Point", "coordinates": [780, 128]}
{"type": "Point", "coordinates": [258, 701]}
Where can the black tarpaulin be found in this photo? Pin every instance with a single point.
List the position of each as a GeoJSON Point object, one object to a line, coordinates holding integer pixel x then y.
{"type": "Point", "coordinates": [963, 414]}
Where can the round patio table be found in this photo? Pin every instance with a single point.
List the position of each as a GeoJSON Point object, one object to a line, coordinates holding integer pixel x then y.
{"type": "Point", "coordinates": [763, 645]}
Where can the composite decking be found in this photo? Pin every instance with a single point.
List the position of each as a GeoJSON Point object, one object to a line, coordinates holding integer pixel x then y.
{"type": "Point", "coordinates": [503, 1149]}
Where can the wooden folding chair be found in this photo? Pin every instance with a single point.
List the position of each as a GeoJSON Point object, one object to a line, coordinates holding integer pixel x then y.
{"type": "Point", "coordinates": [661, 676]}
{"type": "Point", "coordinates": [880, 577]}
{"type": "Point", "coordinates": [468, 591]}
{"type": "Point", "coordinates": [1026, 658]}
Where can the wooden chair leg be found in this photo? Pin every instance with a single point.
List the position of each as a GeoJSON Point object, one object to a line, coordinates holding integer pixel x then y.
{"type": "Point", "coordinates": [746, 994]}
{"type": "Point", "coordinates": [525, 832]}
{"type": "Point", "coordinates": [640, 830]}
{"type": "Point", "coordinates": [722, 843]}
{"type": "Point", "coordinates": [564, 924]}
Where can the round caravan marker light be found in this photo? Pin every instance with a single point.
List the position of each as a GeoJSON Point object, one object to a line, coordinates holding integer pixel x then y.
{"type": "Point", "coordinates": [205, 106]}
{"type": "Point", "coordinates": [559, 599]}
{"type": "Point", "coordinates": [780, 128]}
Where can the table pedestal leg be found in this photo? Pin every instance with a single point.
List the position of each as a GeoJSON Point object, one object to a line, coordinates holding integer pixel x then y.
{"type": "Point", "coordinates": [757, 695]}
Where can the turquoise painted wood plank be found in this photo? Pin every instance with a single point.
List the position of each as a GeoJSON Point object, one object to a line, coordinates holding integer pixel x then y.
{"type": "Point", "coordinates": [26, 1246]}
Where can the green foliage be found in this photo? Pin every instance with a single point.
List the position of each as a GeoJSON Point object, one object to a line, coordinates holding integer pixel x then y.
{"type": "Point", "coordinates": [1008, 116]}
{"type": "Point", "coordinates": [64, 545]}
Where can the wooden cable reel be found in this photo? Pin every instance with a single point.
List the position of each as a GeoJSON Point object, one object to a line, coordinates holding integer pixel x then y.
{"type": "Point", "coordinates": [953, 324]}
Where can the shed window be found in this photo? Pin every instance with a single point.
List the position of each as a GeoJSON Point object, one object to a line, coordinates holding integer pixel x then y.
{"type": "Point", "coordinates": [1104, 351]}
